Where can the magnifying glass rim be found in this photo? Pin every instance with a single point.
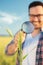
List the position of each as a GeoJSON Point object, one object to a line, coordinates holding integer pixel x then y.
{"type": "Point", "coordinates": [25, 24]}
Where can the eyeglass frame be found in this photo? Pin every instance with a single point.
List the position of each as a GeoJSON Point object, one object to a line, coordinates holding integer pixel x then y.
{"type": "Point", "coordinates": [38, 15]}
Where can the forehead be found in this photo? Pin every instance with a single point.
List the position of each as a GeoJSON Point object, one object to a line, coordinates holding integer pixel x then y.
{"type": "Point", "coordinates": [36, 10]}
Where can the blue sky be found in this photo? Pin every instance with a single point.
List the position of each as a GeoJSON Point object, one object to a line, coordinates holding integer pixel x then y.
{"type": "Point", "coordinates": [12, 14]}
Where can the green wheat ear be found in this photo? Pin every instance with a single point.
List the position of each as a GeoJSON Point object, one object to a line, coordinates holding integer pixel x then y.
{"type": "Point", "coordinates": [19, 46]}
{"type": "Point", "coordinates": [10, 32]}
{"type": "Point", "coordinates": [24, 56]}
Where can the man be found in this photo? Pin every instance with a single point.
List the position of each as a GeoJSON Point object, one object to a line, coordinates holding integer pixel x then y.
{"type": "Point", "coordinates": [36, 18]}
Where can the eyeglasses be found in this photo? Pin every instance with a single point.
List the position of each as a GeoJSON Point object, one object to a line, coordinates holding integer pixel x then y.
{"type": "Point", "coordinates": [38, 15]}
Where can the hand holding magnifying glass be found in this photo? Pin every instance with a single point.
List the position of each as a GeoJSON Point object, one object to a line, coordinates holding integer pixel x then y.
{"type": "Point", "coordinates": [26, 28]}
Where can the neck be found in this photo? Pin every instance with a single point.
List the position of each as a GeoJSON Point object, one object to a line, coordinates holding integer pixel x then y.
{"type": "Point", "coordinates": [35, 33]}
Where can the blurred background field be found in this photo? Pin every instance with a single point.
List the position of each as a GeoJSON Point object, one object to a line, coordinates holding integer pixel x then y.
{"type": "Point", "coordinates": [4, 59]}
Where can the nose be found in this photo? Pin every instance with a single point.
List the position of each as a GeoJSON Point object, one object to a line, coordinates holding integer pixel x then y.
{"type": "Point", "coordinates": [35, 18]}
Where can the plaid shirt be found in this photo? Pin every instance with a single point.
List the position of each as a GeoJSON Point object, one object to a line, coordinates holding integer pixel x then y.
{"type": "Point", "coordinates": [39, 52]}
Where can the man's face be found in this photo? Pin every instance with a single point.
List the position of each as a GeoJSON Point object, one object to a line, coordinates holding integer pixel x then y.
{"type": "Point", "coordinates": [36, 16]}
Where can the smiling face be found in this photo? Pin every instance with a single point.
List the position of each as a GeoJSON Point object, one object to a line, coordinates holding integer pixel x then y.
{"type": "Point", "coordinates": [36, 16]}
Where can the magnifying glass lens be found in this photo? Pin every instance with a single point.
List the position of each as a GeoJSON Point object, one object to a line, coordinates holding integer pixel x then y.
{"type": "Point", "coordinates": [27, 27]}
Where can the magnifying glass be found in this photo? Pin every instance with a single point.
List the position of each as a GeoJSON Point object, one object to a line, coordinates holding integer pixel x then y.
{"type": "Point", "coordinates": [26, 27]}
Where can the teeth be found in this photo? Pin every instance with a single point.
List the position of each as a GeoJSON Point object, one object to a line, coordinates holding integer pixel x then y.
{"type": "Point", "coordinates": [41, 29]}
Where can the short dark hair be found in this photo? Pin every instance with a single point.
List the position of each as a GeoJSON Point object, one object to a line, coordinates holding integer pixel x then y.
{"type": "Point", "coordinates": [35, 3]}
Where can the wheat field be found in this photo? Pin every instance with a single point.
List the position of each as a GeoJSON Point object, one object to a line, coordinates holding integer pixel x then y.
{"type": "Point", "coordinates": [4, 59]}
